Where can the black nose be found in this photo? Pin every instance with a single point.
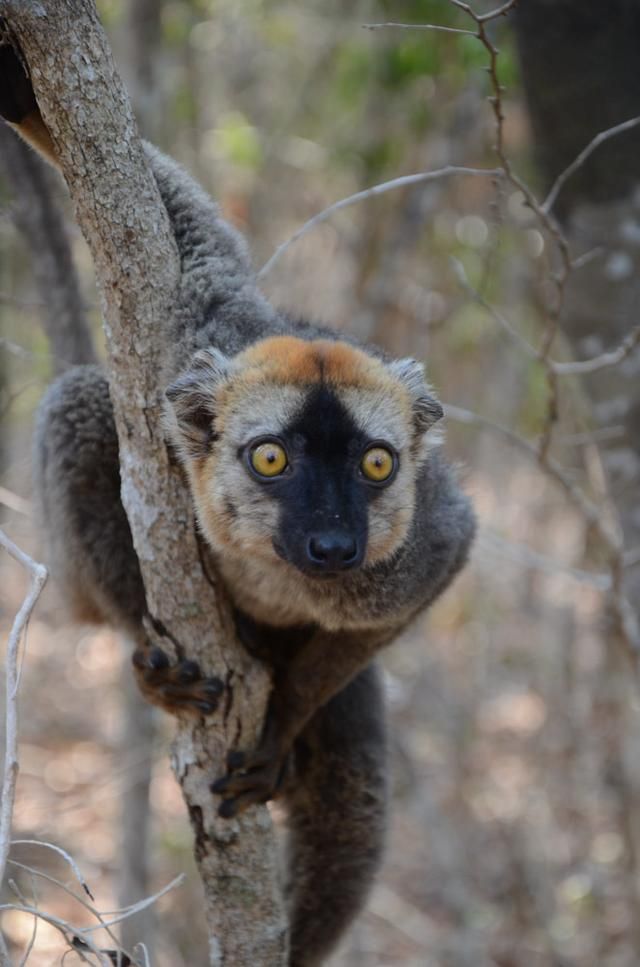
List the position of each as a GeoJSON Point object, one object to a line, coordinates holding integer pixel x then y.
{"type": "Point", "coordinates": [332, 551]}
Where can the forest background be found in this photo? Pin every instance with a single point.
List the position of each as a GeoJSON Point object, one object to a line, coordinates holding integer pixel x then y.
{"type": "Point", "coordinates": [514, 707]}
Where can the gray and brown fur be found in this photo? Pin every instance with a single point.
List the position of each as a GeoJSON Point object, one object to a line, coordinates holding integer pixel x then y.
{"type": "Point", "coordinates": [238, 370]}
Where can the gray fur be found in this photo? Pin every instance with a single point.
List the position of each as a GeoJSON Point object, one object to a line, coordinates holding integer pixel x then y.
{"type": "Point", "coordinates": [336, 791]}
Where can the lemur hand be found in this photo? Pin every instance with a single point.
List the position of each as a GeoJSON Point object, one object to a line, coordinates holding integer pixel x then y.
{"type": "Point", "coordinates": [175, 688]}
{"type": "Point", "coordinates": [253, 777]}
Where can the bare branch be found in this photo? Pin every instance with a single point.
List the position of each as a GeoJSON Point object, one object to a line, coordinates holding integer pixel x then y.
{"type": "Point", "coordinates": [437, 27]}
{"type": "Point", "coordinates": [81, 932]}
{"type": "Point", "coordinates": [64, 928]}
{"type": "Point", "coordinates": [497, 316]}
{"type": "Point", "coordinates": [589, 510]}
{"type": "Point", "coordinates": [595, 142]}
{"type": "Point", "coordinates": [52, 879]}
{"type": "Point", "coordinates": [61, 852]}
{"type": "Point", "coordinates": [120, 211]}
{"type": "Point", "coordinates": [482, 18]}
{"type": "Point", "coordinates": [15, 502]}
{"type": "Point", "coordinates": [136, 907]}
{"type": "Point", "coordinates": [612, 358]}
{"type": "Point", "coordinates": [118, 916]}
{"type": "Point", "coordinates": [373, 192]}
{"type": "Point", "coordinates": [38, 575]}
{"type": "Point", "coordinates": [34, 931]}
{"type": "Point", "coordinates": [593, 516]}
{"type": "Point", "coordinates": [530, 558]}
{"type": "Point", "coordinates": [577, 368]}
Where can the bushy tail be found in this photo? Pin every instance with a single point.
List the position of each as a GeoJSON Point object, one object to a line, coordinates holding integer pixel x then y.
{"type": "Point", "coordinates": [337, 798]}
{"type": "Point", "coordinates": [77, 498]}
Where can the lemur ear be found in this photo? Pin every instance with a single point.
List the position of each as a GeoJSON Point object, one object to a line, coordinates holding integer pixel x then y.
{"type": "Point", "coordinates": [427, 410]}
{"type": "Point", "coordinates": [192, 402]}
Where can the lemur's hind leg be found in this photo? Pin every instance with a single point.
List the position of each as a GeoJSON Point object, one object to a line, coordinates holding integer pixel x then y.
{"type": "Point", "coordinates": [90, 549]}
{"type": "Point", "coordinates": [337, 798]}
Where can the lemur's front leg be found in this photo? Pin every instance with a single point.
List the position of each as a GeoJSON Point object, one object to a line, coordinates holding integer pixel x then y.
{"type": "Point", "coordinates": [318, 671]}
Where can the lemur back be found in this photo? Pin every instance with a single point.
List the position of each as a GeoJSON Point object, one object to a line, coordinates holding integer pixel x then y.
{"type": "Point", "coordinates": [319, 487]}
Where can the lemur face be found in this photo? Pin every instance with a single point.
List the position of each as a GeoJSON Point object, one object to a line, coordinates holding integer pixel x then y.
{"type": "Point", "coordinates": [303, 452]}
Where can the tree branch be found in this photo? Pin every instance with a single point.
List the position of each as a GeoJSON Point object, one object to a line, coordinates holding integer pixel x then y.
{"type": "Point", "coordinates": [38, 575]}
{"type": "Point", "coordinates": [39, 219]}
{"type": "Point", "coordinates": [586, 152]}
{"type": "Point", "coordinates": [121, 215]}
{"type": "Point", "coordinates": [403, 182]}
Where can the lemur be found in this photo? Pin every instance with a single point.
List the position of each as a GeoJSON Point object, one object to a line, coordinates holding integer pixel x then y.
{"type": "Point", "coordinates": [320, 488]}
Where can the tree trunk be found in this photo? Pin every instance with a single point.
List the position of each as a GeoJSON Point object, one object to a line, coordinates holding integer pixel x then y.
{"type": "Point", "coordinates": [120, 213]}
{"type": "Point", "coordinates": [580, 71]}
{"type": "Point", "coordinates": [41, 223]}
{"type": "Point", "coordinates": [142, 42]}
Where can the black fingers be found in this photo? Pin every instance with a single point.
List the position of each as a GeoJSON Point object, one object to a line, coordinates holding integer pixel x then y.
{"type": "Point", "coordinates": [157, 659]}
{"type": "Point", "coordinates": [252, 778]}
{"type": "Point", "coordinates": [176, 688]}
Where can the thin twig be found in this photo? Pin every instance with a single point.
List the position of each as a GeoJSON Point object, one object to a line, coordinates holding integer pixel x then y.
{"type": "Point", "coordinates": [145, 953]}
{"type": "Point", "coordinates": [15, 502]}
{"type": "Point", "coordinates": [587, 257]}
{"type": "Point", "coordinates": [592, 515]}
{"type": "Point", "coordinates": [483, 18]}
{"type": "Point", "coordinates": [65, 889]}
{"type": "Point", "coordinates": [612, 542]}
{"type": "Point", "coordinates": [497, 316]}
{"type": "Point", "coordinates": [545, 218]}
{"type": "Point", "coordinates": [61, 852]}
{"type": "Point", "coordinates": [590, 511]}
{"type": "Point", "coordinates": [437, 27]}
{"type": "Point", "coordinates": [118, 915]}
{"type": "Point", "coordinates": [65, 929]}
{"type": "Point", "coordinates": [135, 907]}
{"type": "Point", "coordinates": [575, 368]}
{"type": "Point", "coordinates": [530, 558]}
{"type": "Point", "coordinates": [604, 360]}
{"type": "Point", "coordinates": [577, 163]}
{"type": "Point", "coordinates": [402, 182]}
{"type": "Point", "coordinates": [38, 575]}
{"type": "Point", "coordinates": [16, 889]}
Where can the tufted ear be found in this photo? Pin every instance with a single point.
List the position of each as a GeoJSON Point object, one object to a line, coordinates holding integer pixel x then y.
{"type": "Point", "coordinates": [427, 410]}
{"type": "Point", "coordinates": [192, 402]}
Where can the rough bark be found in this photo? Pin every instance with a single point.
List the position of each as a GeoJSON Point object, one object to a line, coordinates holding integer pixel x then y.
{"type": "Point", "coordinates": [40, 221]}
{"type": "Point", "coordinates": [120, 213]}
{"type": "Point", "coordinates": [142, 43]}
{"type": "Point", "coordinates": [580, 71]}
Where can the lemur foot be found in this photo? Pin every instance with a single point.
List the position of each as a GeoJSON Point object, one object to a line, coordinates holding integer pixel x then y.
{"type": "Point", "coordinates": [252, 777]}
{"type": "Point", "coordinates": [175, 688]}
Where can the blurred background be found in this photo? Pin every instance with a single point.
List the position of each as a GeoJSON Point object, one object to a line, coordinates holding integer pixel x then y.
{"type": "Point", "coordinates": [514, 707]}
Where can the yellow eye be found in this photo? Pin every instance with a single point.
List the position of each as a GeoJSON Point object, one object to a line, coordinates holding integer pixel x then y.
{"type": "Point", "coordinates": [269, 459]}
{"type": "Point", "coordinates": [377, 464]}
